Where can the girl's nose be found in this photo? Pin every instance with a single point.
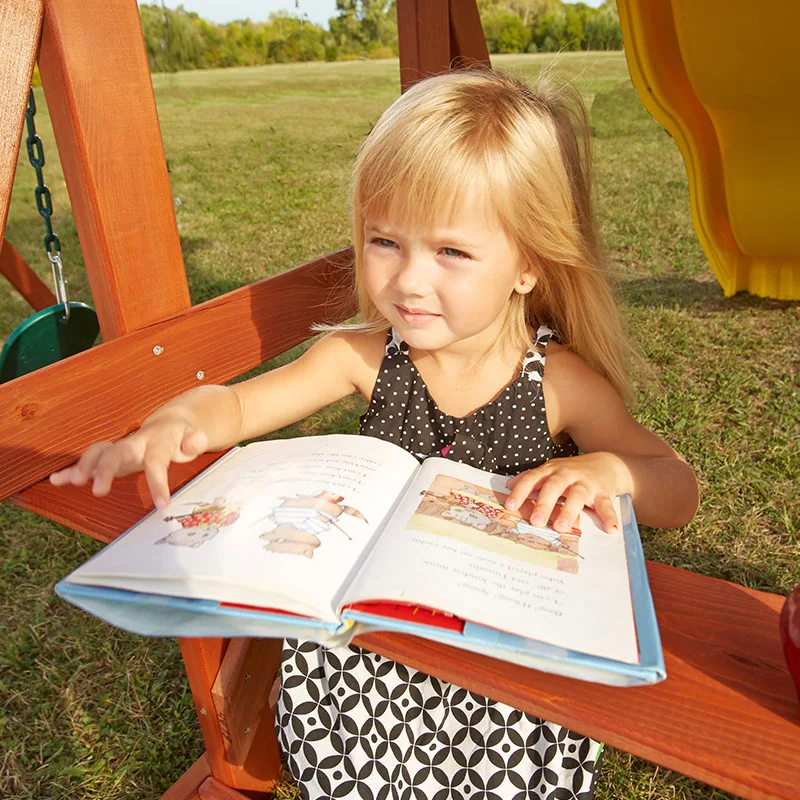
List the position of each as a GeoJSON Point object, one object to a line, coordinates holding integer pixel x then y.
{"type": "Point", "coordinates": [412, 278]}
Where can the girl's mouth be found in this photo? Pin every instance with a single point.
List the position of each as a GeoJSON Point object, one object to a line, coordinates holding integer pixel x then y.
{"type": "Point", "coordinates": [415, 316]}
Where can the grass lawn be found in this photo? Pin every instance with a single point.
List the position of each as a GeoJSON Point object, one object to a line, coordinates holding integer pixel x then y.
{"type": "Point", "coordinates": [259, 161]}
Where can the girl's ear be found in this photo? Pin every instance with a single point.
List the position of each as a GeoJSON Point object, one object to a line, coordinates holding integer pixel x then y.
{"type": "Point", "coordinates": [527, 280]}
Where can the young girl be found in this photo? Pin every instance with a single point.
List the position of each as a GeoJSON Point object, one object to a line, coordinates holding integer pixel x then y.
{"type": "Point", "coordinates": [489, 336]}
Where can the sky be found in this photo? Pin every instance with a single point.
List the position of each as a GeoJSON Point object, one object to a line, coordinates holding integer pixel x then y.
{"type": "Point", "coordinates": [317, 11]}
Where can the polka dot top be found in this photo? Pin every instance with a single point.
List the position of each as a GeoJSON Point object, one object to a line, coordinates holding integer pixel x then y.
{"type": "Point", "coordinates": [506, 436]}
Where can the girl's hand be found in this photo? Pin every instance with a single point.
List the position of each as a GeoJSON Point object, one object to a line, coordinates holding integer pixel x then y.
{"type": "Point", "coordinates": [590, 480]}
{"type": "Point", "coordinates": [152, 448]}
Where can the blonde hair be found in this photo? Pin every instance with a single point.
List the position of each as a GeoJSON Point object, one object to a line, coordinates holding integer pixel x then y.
{"type": "Point", "coordinates": [528, 148]}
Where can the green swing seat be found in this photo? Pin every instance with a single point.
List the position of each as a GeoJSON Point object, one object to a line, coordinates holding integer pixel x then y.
{"type": "Point", "coordinates": [47, 337]}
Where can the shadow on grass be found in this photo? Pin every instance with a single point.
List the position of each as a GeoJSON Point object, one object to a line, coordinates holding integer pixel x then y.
{"type": "Point", "coordinates": [701, 293]}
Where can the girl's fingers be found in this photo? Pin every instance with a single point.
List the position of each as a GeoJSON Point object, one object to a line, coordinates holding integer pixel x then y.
{"type": "Point", "coordinates": [604, 507]}
{"type": "Point", "coordinates": [576, 497]}
{"type": "Point", "coordinates": [156, 463]}
{"type": "Point", "coordinates": [549, 493]}
{"type": "Point", "coordinates": [522, 485]}
{"type": "Point", "coordinates": [580, 486]}
{"type": "Point", "coordinates": [107, 467]}
{"type": "Point", "coordinates": [80, 472]}
{"type": "Point", "coordinates": [150, 449]}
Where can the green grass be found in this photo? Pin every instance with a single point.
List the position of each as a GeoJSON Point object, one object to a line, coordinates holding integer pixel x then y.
{"type": "Point", "coordinates": [259, 160]}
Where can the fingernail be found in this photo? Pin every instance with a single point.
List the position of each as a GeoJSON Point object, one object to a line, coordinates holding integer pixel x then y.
{"type": "Point", "coordinates": [512, 505]}
{"type": "Point", "coordinates": [161, 502]}
{"type": "Point", "coordinates": [537, 519]}
{"type": "Point", "coordinates": [561, 525]}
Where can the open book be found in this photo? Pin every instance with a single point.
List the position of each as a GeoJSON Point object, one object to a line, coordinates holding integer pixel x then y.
{"type": "Point", "coordinates": [327, 537]}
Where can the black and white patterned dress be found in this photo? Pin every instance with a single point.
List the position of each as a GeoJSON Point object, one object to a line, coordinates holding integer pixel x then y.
{"type": "Point", "coordinates": [356, 725]}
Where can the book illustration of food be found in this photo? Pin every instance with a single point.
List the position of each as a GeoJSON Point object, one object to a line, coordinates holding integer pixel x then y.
{"type": "Point", "coordinates": [476, 515]}
{"type": "Point", "coordinates": [201, 524]}
{"type": "Point", "coordinates": [300, 520]}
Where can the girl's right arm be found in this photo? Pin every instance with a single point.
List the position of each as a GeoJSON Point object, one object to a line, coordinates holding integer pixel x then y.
{"type": "Point", "coordinates": [212, 418]}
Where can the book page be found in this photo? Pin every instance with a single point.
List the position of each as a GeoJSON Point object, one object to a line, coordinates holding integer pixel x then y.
{"type": "Point", "coordinates": [277, 524]}
{"type": "Point", "coordinates": [452, 546]}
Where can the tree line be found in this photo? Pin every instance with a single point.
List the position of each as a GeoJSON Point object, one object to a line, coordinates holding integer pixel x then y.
{"type": "Point", "coordinates": [179, 39]}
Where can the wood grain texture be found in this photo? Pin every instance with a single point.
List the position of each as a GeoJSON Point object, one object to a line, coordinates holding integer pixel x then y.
{"type": "Point", "coordinates": [423, 30]}
{"type": "Point", "coordinates": [15, 270]}
{"type": "Point", "coordinates": [104, 518]}
{"type": "Point", "coordinates": [47, 418]}
{"type": "Point", "coordinates": [20, 22]}
{"type": "Point", "coordinates": [727, 714]}
{"type": "Point", "coordinates": [202, 658]}
{"type": "Point", "coordinates": [241, 693]}
{"type": "Point", "coordinates": [100, 97]}
{"type": "Point", "coordinates": [467, 40]}
{"type": "Point", "coordinates": [186, 787]}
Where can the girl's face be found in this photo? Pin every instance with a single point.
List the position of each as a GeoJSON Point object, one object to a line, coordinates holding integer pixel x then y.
{"type": "Point", "coordinates": [446, 287]}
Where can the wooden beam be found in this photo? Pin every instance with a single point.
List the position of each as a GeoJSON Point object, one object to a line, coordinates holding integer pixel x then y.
{"type": "Point", "coordinates": [262, 769]}
{"type": "Point", "coordinates": [100, 97]}
{"type": "Point", "coordinates": [16, 271]}
{"type": "Point", "coordinates": [727, 686]}
{"type": "Point", "coordinates": [202, 658]}
{"type": "Point", "coordinates": [423, 29]}
{"type": "Point", "coordinates": [241, 691]}
{"type": "Point", "coordinates": [20, 22]}
{"type": "Point", "coordinates": [467, 40]}
{"type": "Point", "coordinates": [47, 418]}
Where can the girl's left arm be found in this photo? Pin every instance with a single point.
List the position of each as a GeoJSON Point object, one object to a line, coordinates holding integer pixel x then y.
{"type": "Point", "coordinates": [620, 456]}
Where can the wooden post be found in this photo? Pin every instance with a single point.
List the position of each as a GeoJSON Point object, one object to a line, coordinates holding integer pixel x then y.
{"type": "Point", "coordinates": [438, 35]}
{"type": "Point", "coordinates": [467, 41]}
{"type": "Point", "coordinates": [98, 89]}
{"type": "Point", "coordinates": [423, 29]}
{"type": "Point", "coordinates": [262, 765]}
{"type": "Point", "coordinates": [241, 691]}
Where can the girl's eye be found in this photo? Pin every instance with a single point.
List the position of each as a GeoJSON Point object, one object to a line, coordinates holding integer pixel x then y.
{"type": "Point", "coordinates": [381, 242]}
{"type": "Point", "coordinates": [453, 253]}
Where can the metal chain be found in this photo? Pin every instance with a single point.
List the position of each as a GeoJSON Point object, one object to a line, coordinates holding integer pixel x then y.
{"type": "Point", "coordinates": [44, 205]}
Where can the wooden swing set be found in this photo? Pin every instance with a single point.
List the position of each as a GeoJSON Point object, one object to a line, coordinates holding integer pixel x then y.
{"type": "Point", "coordinates": [727, 714]}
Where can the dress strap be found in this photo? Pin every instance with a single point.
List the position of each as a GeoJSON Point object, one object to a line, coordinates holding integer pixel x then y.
{"type": "Point", "coordinates": [395, 343]}
{"type": "Point", "coordinates": [533, 363]}
{"type": "Point", "coordinates": [544, 335]}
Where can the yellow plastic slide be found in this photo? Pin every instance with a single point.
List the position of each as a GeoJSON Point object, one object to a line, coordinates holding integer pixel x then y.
{"type": "Point", "coordinates": [723, 77]}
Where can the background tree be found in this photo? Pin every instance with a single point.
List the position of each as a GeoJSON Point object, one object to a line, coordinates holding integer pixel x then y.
{"type": "Point", "coordinates": [602, 30]}
{"type": "Point", "coordinates": [178, 39]}
{"type": "Point", "coordinates": [364, 27]}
